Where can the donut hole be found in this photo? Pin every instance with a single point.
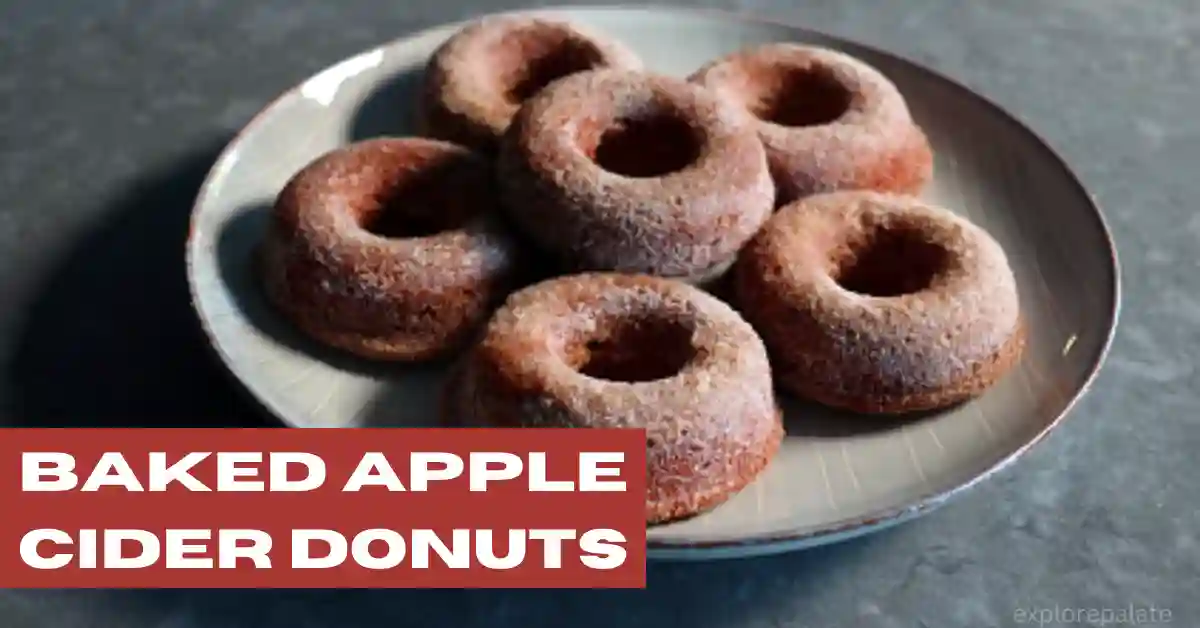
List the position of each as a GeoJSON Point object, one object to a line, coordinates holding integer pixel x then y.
{"type": "Point", "coordinates": [802, 96]}
{"type": "Point", "coordinates": [889, 262]}
{"type": "Point", "coordinates": [421, 202]}
{"type": "Point", "coordinates": [635, 351]}
{"type": "Point", "coordinates": [532, 58]}
{"type": "Point", "coordinates": [647, 146]}
{"type": "Point", "coordinates": [396, 221]}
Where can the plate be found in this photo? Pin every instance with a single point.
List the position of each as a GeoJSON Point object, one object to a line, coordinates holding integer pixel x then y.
{"type": "Point", "coordinates": [837, 476]}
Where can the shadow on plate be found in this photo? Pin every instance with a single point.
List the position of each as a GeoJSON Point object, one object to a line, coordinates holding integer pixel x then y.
{"type": "Point", "coordinates": [390, 110]}
{"type": "Point", "coordinates": [110, 339]}
{"type": "Point", "coordinates": [407, 405]}
{"type": "Point", "coordinates": [806, 419]}
{"type": "Point", "coordinates": [415, 402]}
{"type": "Point", "coordinates": [722, 594]}
{"type": "Point", "coordinates": [237, 247]}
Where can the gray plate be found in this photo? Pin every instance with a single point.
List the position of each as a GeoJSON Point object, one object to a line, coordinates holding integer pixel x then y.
{"type": "Point", "coordinates": [837, 476]}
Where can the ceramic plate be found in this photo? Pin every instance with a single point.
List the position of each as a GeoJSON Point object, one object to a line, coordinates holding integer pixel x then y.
{"type": "Point", "coordinates": [837, 476]}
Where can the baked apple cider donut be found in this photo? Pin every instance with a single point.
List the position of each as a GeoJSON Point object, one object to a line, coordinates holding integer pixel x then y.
{"type": "Point", "coordinates": [609, 350]}
{"type": "Point", "coordinates": [615, 170]}
{"type": "Point", "coordinates": [389, 248]}
{"type": "Point", "coordinates": [477, 79]}
{"type": "Point", "coordinates": [880, 303]}
{"type": "Point", "coordinates": [829, 121]}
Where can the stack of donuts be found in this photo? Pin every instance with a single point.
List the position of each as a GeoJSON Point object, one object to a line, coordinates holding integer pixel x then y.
{"type": "Point", "coordinates": [600, 245]}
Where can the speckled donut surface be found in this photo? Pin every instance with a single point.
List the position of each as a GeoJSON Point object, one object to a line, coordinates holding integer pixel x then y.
{"type": "Point", "coordinates": [829, 121]}
{"type": "Point", "coordinates": [880, 303]}
{"type": "Point", "coordinates": [615, 170]}
{"type": "Point", "coordinates": [477, 79]}
{"type": "Point", "coordinates": [389, 248]}
{"type": "Point", "coordinates": [633, 351]}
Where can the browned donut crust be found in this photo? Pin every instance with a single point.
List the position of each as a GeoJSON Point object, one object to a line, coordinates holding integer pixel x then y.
{"type": "Point", "coordinates": [829, 121]}
{"type": "Point", "coordinates": [477, 79]}
{"type": "Point", "coordinates": [880, 303]}
{"type": "Point", "coordinates": [389, 248]}
{"type": "Point", "coordinates": [614, 170]}
{"type": "Point", "coordinates": [633, 351]}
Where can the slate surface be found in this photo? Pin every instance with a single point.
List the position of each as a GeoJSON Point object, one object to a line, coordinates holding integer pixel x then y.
{"type": "Point", "coordinates": [111, 113]}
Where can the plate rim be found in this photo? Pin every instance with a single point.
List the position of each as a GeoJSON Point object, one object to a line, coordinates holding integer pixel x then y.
{"type": "Point", "coordinates": [764, 543]}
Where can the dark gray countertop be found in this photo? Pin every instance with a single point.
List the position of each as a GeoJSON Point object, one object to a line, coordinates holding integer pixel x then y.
{"type": "Point", "coordinates": [111, 113]}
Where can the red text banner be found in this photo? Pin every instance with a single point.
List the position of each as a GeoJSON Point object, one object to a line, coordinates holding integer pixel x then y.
{"type": "Point", "coordinates": [360, 508]}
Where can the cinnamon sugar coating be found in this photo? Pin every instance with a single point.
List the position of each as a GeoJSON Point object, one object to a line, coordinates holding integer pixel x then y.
{"type": "Point", "coordinates": [616, 170]}
{"type": "Point", "coordinates": [828, 120]}
{"type": "Point", "coordinates": [880, 303]}
{"type": "Point", "coordinates": [475, 82]}
{"type": "Point", "coordinates": [389, 248]}
{"type": "Point", "coordinates": [609, 350]}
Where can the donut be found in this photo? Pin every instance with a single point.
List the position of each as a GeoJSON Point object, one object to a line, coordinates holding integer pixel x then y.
{"type": "Point", "coordinates": [626, 171]}
{"type": "Point", "coordinates": [476, 80]}
{"type": "Point", "coordinates": [880, 303]}
{"type": "Point", "coordinates": [389, 248]}
{"type": "Point", "coordinates": [829, 121]}
{"type": "Point", "coordinates": [609, 350]}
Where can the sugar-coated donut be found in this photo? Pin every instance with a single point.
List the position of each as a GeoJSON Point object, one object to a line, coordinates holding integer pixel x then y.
{"type": "Point", "coordinates": [389, 248]}
{"type": "Point", "coordinates": [617, 170]}
{"type": "Point", "coordinates": [829, 121]}
{"type": "Point", "coordinates": [609, 350]}
{"type": "Point", "coordinates": [880, 303]}
{"type": "Point", "coordinates": [477, 79]}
